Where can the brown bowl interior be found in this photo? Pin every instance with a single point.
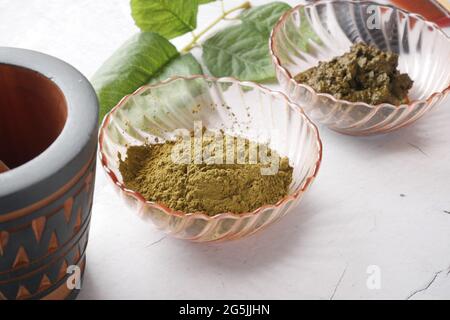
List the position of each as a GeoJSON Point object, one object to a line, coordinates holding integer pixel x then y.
{"type": "Point", "coordinates": [33, 112]}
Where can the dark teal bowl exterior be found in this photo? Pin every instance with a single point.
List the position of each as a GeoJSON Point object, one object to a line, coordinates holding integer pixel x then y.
{"type": "Point", "coordinates": [45, 204]}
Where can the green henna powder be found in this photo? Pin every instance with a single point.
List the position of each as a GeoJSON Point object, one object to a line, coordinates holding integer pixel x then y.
{"type": "Point", "coordinates": [202, 183]}
{"type": "Point", "coordinates": [365, 74]}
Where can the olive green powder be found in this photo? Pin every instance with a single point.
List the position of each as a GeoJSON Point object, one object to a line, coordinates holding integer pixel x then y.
{"type": "Point", "coordinates": [365, 74]}
{"type": "Point", "coordinates": [233, 186]}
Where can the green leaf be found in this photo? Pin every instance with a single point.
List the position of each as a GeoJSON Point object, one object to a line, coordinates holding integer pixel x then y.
{"type": "Point", "coordinates": [307, 33]}
{"type": "Point", "coordinates": [265, 17]}
{"type": "Point", "coordinates": [239, 51]}
{"type": "Point", "coordinates": [131, 66]}
{"type": "Point", "coordinates": [242, 51]}
{"type": "Point", "coordinates": [185, 65]}
{"type": "Point", "coordinates": [169, 18]}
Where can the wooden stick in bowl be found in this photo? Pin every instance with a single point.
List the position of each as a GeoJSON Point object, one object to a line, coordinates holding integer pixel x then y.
{"type": "Point", "coordinates": [3, 167]}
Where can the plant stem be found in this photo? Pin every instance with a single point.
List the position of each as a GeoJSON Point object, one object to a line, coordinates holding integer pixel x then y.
{"type": "Point", "coordinates": [195, 39]}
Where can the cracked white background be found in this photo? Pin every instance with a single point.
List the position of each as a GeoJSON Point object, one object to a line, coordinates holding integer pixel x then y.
{"type": "Point", "coordinates": [381, 200]}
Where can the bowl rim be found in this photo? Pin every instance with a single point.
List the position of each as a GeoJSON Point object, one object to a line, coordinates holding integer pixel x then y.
{"type": "Point", "coordinates": [35, 182]}
{"type": "Point", "coordinates": [202, 215]}
{"type": "Point", "coordinates": [277, 63]}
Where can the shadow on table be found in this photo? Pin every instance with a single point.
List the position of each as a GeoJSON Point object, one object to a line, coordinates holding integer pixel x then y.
{"type": "Point", "coordinates": [431, 128]}
{"type": "Point", "coordinates": [89, 290]}
{"type": "Point", "coordinates": [266, 247]}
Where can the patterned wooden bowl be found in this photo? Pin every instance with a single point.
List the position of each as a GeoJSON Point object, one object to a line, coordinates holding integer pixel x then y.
{"type": "Point", "coordinates": [48, 130]}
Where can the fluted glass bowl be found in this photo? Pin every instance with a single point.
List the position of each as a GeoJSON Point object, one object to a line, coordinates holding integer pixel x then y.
{"type": "Point", "coordinates": [154, 112]}
{"type": "Point", "coordinates": [322, 30]}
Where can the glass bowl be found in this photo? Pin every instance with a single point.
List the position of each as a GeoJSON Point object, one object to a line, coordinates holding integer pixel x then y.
{"type": "Point", "coordinates": [154, 112]}
{"type": "Point", "coordinates": [322, 30]}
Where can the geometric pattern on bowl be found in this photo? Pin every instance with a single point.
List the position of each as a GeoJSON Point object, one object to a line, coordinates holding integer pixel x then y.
{"type": "Point", "coordinates": [154, 112]}
{"type": "Point", "coordinates": [37, 247]}
{"type": "Point", "coordinates": [320, 31]}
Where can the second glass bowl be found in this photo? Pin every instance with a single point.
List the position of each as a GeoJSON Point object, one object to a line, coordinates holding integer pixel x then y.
{"type": "Point", "coordinates": [154, 112]}
{"type": "Point", "coordinates": [323, 30]}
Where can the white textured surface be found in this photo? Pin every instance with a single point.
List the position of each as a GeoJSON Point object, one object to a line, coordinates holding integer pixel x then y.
{"type": "Point", "coordinates": [353, 217]}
